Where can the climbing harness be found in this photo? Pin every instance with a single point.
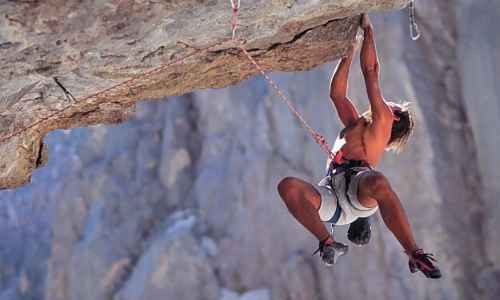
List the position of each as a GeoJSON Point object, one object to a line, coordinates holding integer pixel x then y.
{"type": "Point", "coordinates": [414, 31]}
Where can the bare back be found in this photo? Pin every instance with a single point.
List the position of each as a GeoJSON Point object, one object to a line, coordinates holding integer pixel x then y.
{"type": "Point", "coordinates": [361, 144]}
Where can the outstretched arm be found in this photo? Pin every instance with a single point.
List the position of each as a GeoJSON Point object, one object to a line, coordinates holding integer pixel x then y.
{"type": "Point", "coordinates": [338, 91]}
{"type": "Point", "coordinates": [381, 112]}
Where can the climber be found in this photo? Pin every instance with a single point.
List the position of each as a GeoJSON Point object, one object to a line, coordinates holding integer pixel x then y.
{"type": "Point", "coordinates": [353, 190]}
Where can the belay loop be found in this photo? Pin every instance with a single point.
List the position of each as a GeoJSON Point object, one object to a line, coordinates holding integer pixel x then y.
{"type": "Point", "coordinates": [414, 31]}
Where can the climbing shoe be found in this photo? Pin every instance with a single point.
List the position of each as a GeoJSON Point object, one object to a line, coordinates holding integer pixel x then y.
{"type": "Point", "coordinates": [360, 231]}
{"type": "Point", "coordinates": [425, 263]}
{"type": "Point", "coordinates": [330, 253]}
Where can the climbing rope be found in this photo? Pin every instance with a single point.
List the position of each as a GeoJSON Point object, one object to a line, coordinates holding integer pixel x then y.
{"type": "Point", "coordinates": [235, 4]}
{"type": "Point", "coordinates": [126, 87]}
{"type": "Point", "coordinates": [318, 138]}
{"type": "Point", "coordinates": [414, 31]}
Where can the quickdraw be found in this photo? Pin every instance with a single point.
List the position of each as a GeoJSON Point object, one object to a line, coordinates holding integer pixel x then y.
{"type": "Point", "coordinates": [414, 31]}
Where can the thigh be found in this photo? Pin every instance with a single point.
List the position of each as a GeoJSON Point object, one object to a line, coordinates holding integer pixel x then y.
{"type": "Point", "coordinates": [296, 187]}
{"type": "Point", "coordinates": [365, 191]}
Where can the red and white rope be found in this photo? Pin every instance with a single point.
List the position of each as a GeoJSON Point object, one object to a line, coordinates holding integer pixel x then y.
{"type": "Point", "coordinates": [136, 80]}
{"type": "Point", "coordinates": [235, 4]}
{"type": "Point", "coordinates": [318, 138]}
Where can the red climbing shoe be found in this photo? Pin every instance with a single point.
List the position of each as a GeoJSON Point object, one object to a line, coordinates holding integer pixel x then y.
{"type": "Point", "coordinates": [425, 263]}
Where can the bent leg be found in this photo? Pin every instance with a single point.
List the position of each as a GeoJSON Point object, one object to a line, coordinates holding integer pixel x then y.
{"type": "Point", "coordinates": [303, 201]}
{"type": "Point", "coordinates": [374, 189]}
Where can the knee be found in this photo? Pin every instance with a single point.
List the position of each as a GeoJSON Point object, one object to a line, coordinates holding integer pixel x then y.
{"type": "Point", "coordinates": [376, 181]}
{"type": "Point", "coordinates": [287, 187]}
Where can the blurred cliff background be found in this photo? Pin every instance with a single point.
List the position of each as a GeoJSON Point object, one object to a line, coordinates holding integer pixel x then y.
{"type": "Point", "coordinates": [180, 202]}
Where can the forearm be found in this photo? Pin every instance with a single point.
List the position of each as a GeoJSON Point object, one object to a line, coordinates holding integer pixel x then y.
{"type": "Point", "coordinates": [338, 92]}
{"type": "Point", "coordinates": [369, 57]}
{"type": "Point", "coordinates": [371, 72]}
{"type": "Point", "coordinates": [338, 84]}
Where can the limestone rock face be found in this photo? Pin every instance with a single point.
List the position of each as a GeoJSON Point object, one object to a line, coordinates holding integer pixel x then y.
{"type": "Point", "coordinates": [180, 201]}
{"type": "Point", "coordinates": [174, 267]}
{"type": "Point", "coordinates": [92, 46]}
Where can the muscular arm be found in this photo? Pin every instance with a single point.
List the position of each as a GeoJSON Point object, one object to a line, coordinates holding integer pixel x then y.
{"type": "Point", "coordinates": [381, 112]}
{"type": "Point", "coordinates": [338, 92]}
{"type": "Point", "coordinates": [371, 70]}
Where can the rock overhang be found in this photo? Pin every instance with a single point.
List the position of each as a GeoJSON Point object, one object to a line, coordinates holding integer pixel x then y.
{"type": "Point", "coordinates": [90, 47]}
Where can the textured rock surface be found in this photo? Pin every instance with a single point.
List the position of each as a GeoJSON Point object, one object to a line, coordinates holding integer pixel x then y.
{"type": "Point", "coordinates": [197, 175]}
{"type": "Point", "coordinates": [92, 45]}
{"type": "Point", "coordinates": [173, 267]}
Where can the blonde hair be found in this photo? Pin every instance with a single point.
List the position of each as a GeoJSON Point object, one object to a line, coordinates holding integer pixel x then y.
{"type": "Point", "coordinates": [402, 129]}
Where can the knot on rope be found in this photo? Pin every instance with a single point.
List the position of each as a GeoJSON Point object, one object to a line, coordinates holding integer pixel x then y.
{"type": "Point", "coordinates": [319, 138]}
